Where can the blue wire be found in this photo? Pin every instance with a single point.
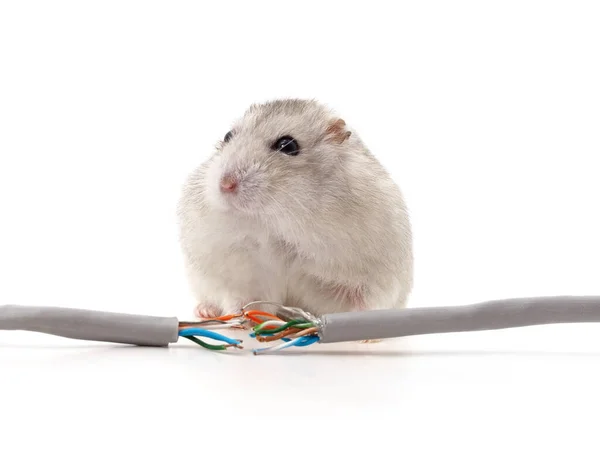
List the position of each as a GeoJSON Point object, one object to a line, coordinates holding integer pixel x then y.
{"type": "Point", "coordinates": [307, 340]}
{"type": "Point", "coordinates": [302, 341]}
{"type": "Point", "coordinates": [313, 339]}
{"type": "Point", "coordinates": [207, 334]}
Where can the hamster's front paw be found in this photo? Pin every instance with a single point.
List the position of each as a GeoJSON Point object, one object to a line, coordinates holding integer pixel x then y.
{"type": "Point", "coordinates": [205, 310]}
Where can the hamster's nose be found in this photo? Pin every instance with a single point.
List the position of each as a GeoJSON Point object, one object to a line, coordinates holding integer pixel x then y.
{"type": "Point", "coordinates": [228, 184]}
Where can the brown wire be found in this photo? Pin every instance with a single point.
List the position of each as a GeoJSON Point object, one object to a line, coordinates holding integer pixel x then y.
{"type": "Point", "coordinates": [307, 331]}
{"type": "Point", "coordinates": [278, 336]}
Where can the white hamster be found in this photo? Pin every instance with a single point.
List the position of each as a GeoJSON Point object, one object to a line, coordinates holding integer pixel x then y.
{"type": "Point", "coordinates": [293, 208]}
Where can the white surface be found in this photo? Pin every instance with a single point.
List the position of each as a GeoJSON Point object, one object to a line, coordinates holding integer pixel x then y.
{"type": "Point", "coordinates": [486, 115]}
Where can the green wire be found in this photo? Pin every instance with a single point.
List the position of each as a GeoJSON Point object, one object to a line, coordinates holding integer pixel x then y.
{"type": "Point", "coordinates": [292, 323]}
{"type": "Point", "coordinates": [206, 345]}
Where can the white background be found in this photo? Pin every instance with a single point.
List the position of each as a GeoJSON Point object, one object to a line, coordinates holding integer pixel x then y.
{"type": "Point", "coordinates": [486, 113]}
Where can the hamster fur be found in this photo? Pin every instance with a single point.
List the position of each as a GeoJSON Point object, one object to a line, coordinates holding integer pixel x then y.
{"type": "Point", "coordinates": [326, 230]}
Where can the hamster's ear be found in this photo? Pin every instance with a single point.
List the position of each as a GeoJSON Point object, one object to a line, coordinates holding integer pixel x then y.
{"type": "Point", "coordinates": [337, 132]}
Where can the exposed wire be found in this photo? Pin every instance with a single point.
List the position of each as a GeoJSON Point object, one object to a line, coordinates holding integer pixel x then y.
{"type": "Point", "coordinates": [270, 325]}
{"type": "Point", "coordinates": [201, 323]}
{"type": "Point", "coordinates": [300, 341]}
{"type": "Point", "coordinates": [193, 334]}
{"type": "Point", "coordinates": [224, 318]}
{"type": "Point", "coordinates": [267, 327]}
{"type": "Point", "coordinates": [214, 325]}
{"type": "Point", "coordinates": [257, 315]}
{"type": "Point", "coordinates": [261, 329]}
{"type": "Point", "coordinates": [278, 336]}
{"type": "Point", "coordinates": [290, 333]}
{"type": "Point", "coordinates": [221, 319]}
{"type": "Point", "coordinates": [307, 331]}
{"type": "Point", "coordinates": [283, 312]}
{"type": "Point", "coordinates": [298, 332]}
{"type": "Point", "coordinates": [209, 346]}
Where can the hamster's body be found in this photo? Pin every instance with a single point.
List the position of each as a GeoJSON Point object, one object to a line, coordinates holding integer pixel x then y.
{"type": "Point", "coordinates": [293, 208]}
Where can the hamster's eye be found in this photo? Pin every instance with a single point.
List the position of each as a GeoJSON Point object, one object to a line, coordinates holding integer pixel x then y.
{"type": "Point", "coordinates": [228, 136]}
{"type": "Point", "coordinates": [287, 145]}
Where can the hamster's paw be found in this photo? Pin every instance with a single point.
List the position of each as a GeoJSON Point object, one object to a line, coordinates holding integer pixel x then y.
{"type": "Point", "coordinates": [205, 310]}
{"type": "Point", "coordinates": [236, 306]}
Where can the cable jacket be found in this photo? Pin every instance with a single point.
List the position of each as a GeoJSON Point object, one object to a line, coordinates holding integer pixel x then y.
{"type": "Point", "coordinates": [492, 315]}
{"type": "Point", "coordinates": [91, 325]}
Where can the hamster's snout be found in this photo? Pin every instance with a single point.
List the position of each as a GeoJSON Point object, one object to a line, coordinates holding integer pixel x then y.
{"type": "Point", "coordinates": [238, 188]}
{"type": "Point", "coordinates": [229, 183]}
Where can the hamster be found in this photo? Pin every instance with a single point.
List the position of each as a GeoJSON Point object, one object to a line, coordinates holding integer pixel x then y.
{"type": "Point", "coordinates": [293, 208]}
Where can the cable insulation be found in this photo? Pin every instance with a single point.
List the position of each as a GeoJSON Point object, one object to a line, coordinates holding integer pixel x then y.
{"type": "Point", "coordinates": [91, 325]}
{"type": "Point", "coordinates": [491, 315]}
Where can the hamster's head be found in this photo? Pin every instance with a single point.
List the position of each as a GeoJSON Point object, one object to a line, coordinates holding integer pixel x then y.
{"type": "Point", "coordinates": [278, 159]}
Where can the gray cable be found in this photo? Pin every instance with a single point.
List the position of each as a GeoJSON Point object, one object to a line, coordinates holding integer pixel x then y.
{"type": "Point", "coordinates": [91, 325]}
{"type": "Point", "coordinates": [492, 315]}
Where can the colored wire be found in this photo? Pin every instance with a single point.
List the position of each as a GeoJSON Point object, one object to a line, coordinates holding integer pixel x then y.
{"type": "Point", "coordinates": [217, 320]}
{"type": "Point", "coordinates": [207, 334]}
{"type": "Point", "coordinates": [268, 327]}
{"type": "Point", "coordinates": [239, 326]}
{"type": "Point", "coordinates": [289, 333]}
{"type": "Point", "coordinates": [301, 341]}
{"type": "Point", "coordinates": [214, 325]}
{"type": "Point", "coordinates": [277, 336]}
{"type": "Point", "coordinates": [224, 318]}
{"type": "Point", "coordinates": [254, 316]}
{"type": "Point", "coordinates": [207, 345]}
{"type": "Point", "coordinates": [193, 333]}
{"type": "Point", "coordinates": [307, 331]}
{"type": "Point", "coordinates": [270, 324]}
{"type": "Point", "coordinates": [259, 330]}
{"type": "Point", "coordinates": [299, 332]}
{"type": "Point", "coordinates": [202, 323]}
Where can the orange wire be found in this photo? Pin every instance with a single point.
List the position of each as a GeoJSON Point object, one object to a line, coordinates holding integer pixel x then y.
{"type": "Point", "coordinates": [255, 314]}
{"type": "Point", "coordinates": [225, 318]}
{"type": "Point", "coordinates": [222, 318]}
